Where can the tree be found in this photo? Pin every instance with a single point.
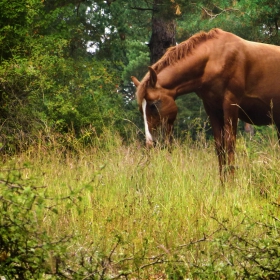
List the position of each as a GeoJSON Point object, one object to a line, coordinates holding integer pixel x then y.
{"type": "Point", "coordinates": [49, 81]}
{"type": "Point", "coordinates": [163, 30]}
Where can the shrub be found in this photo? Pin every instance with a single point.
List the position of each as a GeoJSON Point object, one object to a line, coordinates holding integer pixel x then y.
{"type": "Point", "coordinates": [27, 251]}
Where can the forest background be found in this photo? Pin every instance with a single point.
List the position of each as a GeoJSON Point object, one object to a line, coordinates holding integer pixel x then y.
{"type": "Point", "coordinates": [65, 66]}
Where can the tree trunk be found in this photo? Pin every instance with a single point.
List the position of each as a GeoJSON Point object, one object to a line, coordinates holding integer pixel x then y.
{"type": "Point", "coordinates": [163, 32]}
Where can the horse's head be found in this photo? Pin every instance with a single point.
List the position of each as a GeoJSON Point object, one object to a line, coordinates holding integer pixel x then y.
{"type": "Point", "coordinates": [157, 106]}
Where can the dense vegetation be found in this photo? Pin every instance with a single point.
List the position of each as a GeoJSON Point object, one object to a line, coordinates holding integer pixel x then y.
{"type": "Point", "coordinates": [80, 197]}
{"type": "Point", "coordinates": [119, 212]}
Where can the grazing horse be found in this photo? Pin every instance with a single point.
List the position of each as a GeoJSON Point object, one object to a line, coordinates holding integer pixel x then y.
{"type": "Point", "coordinates": [234, 78]}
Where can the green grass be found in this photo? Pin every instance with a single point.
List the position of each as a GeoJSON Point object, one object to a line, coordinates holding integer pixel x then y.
{"type": "Point", "coordinates": [156, 214]}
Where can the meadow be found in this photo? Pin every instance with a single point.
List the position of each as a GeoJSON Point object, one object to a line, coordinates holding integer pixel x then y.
{"type": "Point", "coordinates": [120, 211]}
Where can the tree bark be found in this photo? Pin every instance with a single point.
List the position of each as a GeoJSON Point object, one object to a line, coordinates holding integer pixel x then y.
{"type": "Point", "coordinates": [163, 32]}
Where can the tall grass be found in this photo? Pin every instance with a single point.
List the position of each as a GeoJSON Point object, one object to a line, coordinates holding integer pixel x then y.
{"type": "Point", "coordinates": [160, 213]}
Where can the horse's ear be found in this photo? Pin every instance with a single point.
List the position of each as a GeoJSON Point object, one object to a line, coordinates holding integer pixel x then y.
{"type": "Point", "coordinates": [153, 77]}
{"type": "Point", "coordinates": [135, 81]}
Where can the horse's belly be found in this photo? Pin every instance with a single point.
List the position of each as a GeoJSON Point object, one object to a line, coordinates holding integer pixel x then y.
{"type": "Point", "coordinates": [259, 112]}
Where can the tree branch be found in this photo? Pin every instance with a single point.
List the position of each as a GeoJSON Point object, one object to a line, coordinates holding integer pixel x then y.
{"type": "Point", "coordinates": [212, 15]}
{"type": "Point", "coordinates": [142, 9]}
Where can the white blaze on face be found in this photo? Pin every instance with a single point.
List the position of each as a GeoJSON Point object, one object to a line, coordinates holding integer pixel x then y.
{"type": "Point", "coordinates": [149, 137]}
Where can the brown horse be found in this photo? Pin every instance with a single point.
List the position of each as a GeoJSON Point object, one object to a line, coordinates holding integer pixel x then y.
{"type": "Point", "coordinates": [234, 78]}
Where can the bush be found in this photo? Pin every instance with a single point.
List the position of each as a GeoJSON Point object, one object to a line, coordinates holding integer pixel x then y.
{"type": "Point", "coordinates": [27, 251]}
{"type": "Point", "coordinates": [53, 90]}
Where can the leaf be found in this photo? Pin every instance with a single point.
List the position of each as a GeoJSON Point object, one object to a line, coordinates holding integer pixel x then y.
{"type": "Point", "coordinates": [178, 10]}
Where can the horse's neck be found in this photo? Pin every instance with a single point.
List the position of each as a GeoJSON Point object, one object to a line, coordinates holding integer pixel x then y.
{"type": "Point", "coordinates": [181, 79]}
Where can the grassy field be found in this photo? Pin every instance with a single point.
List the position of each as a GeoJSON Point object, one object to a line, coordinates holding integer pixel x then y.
{"type": "Point", "coordinates": [133, 213]}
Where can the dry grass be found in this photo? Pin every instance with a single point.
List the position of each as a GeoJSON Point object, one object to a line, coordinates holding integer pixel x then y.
{"type": "Point", "coordinates": [151, 212]}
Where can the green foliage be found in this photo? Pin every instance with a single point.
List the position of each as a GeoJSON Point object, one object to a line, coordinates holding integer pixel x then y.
{"type": "Point", "coordinates": [51, 83]}
{"type": "Point", "coordinates": [49, 89]}
{"type": "Point", "coordinates": [138, 57]}
{"type": "Point", "coordinates": [236, 255]}
{"type": "Point", "coordinates": [192, 119]}
{"type": "Point", "coordinates": [14, 20]}
{"type": "Point", "coordinates": [26, 249]}
{"type": "Point", "coordinates": [256, 20]}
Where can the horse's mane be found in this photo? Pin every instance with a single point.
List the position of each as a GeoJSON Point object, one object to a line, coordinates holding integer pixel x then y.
{"type": "Point", "coordinates": [174, 54]}
{"type": "Point", "coordinates": [180, 51]}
